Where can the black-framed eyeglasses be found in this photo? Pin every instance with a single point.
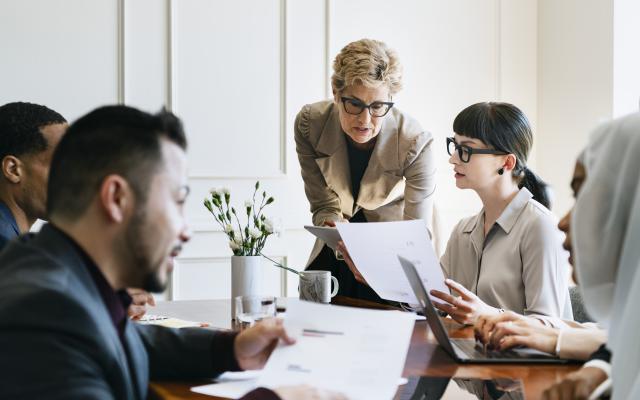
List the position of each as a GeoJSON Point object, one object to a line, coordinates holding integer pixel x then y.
{"type": "Point", "coordinates": [376, 109]}
{"type": "Point", "coordinates": [465, 152]}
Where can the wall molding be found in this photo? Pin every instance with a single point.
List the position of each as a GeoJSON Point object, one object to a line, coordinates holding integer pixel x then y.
{"type": "Point", "coordinates": [121, 51]}
{"type": "Point", "coordinates": [198, 175]}
{"type": "Point", "coordinates": [174, 280]}
{"type": "Point", "coordinates": [169, 21]}
{"type": "Point", "coordinates": [204, 225]}
{"type": "Point", "coordinates": [327, 48]}
{"type": "Point", "coordinates": [283, 87]}
{"type": "Point", "coordinates": [498, 44]}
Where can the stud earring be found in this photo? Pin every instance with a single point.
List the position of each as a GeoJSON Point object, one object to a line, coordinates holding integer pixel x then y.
{"type": "Point", "coordinates": [501, 171]}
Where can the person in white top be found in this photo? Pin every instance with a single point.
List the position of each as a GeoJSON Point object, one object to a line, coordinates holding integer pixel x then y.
{"type": "Point", "coordinates": [509, 256]}
{"type": "Point", "coordinates": [604, 236]}
{"type": "Point", "coordinates": [606, 219]}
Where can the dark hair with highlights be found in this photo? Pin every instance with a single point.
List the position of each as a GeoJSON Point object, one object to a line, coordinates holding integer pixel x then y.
{"type": "Point", "coordinates": [109, 140]}
{"type": "Point", "coordinates": [504, 127]}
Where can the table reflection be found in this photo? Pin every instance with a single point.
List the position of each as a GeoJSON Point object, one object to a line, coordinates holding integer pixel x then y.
{"type": "Point", "coordinates": [430, 388]}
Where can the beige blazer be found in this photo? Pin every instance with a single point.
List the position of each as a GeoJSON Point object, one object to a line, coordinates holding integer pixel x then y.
{"type": "Point", "coordinates": [398, 183]}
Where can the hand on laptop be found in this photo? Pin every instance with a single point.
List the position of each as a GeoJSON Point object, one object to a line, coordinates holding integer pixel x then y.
{"type": "Point", "coordinates": [465, 308]}
{"type": "Point", "coordinates": [509, 329]}
{"type": "Point", "coordinates": [252, 347]}
{"type": "Point", "coordinates": [139, 301]}
{"type": "Point", "coordinates": [352, 267]}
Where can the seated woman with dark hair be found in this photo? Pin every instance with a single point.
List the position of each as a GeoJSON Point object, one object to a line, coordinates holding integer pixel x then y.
{"type": "Point", "coordinates": [509, 256]}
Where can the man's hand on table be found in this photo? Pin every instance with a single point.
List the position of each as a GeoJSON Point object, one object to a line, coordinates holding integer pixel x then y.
{"type": "Point", "coordinates": [253, 346]}
{"type": "Point", "coordinates": [139, 301]}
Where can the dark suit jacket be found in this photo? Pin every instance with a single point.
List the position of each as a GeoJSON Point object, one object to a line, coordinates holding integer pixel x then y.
{"type": "Point", "coordinates": [58, 341]}
{"type": "Point", "coordinates": [8, 226]}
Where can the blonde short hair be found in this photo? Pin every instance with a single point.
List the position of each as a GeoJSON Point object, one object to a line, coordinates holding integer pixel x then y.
{"type": "Point", "coordinates": [368, 62]}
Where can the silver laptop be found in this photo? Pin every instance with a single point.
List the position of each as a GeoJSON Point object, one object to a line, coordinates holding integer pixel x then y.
{"type": "Point", "coordinates": [467, 350]}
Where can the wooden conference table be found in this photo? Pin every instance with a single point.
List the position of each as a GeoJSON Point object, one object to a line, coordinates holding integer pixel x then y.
{"type": "Point", "coordinates": [425, 357]}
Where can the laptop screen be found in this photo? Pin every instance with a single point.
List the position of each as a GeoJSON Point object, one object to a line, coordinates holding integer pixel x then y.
{"type": "Point", "coordinates": [429, 310]}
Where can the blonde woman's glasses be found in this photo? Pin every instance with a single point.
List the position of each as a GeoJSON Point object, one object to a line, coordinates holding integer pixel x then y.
{"type": "Point", "coordinates": [376, 109]}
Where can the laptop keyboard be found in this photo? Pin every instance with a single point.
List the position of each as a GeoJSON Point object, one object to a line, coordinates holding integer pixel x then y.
{"type": "Point", "coordinates": [475, 350]}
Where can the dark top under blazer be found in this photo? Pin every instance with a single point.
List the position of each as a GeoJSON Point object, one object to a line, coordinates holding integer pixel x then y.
{"type": "Point", "coordinates": [57, 340]}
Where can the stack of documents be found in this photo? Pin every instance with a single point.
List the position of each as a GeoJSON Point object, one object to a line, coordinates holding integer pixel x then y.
{"type": "Point", "coordinates": [169, 322]}
{"type": "Point", "coordinates": [374, 248]}
{"type": "Point", "coordinates": [360, 353]}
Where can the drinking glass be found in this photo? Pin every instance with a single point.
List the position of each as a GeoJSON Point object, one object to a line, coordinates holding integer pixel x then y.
{"type": "Point", "coordinates": [251, 309]}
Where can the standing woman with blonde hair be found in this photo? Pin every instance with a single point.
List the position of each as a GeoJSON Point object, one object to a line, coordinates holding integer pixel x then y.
{"type": "Point", "coordinates": [362, 159]}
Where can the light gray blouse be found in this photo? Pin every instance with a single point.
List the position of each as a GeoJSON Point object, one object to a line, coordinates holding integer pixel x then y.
{"type": "Point", "coordinates": [520, 266]}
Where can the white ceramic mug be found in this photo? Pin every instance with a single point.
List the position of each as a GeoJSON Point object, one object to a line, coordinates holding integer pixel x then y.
{"type": "Point", "coordinates": [316, 286]}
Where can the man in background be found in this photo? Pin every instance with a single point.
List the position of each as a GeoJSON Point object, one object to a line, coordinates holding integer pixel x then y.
{"type": "Point", "coordinates": [29, 134]}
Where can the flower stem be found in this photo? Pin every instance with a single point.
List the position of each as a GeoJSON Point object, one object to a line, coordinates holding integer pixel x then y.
{"type": "Point", "coordinates": [277, 264]}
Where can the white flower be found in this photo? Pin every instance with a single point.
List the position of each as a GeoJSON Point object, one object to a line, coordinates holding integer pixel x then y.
{"type": "Point", "coordinates": [254, 233]}
{"type": "Point", "coordinates": [224, 190]}
{"type": "Point", "coordinates": [234, 246]}
{"type": "Point", "coordinates": [228, 228]}
{"type": "Point", "coordinates": [268, 225]}
{"type": "Point", "coordinates": [238, 240]}
{"type": "Point", "coordinates": [248, 204]}
{"type": "Point", "coordinates": [214, 190]}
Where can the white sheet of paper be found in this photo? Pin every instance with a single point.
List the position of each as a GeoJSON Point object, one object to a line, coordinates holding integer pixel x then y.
{"type": "Point", "coordinates": [360, 353]}
{"type": "Point", "coordinates": [230, 384]}
{"type": "Point", "coordinates": [374, 248]}
{"type": "Point", "coordinates": [327, 234]}
{"type": "Point", "coordinates": [236, 384]}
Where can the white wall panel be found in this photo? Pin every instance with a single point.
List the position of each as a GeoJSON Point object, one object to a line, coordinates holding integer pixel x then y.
{"type": "Point", "coordinates": [146, 53]}
{"type": "Point", "coordinates": [575, 85]}
{"type": "Point", "coordinates": [62, 53]}
{"type": "Point", "coordinates": [210, 278]}
{"type": "Point", "coordinates": [202, 278]}
{"type": "Point", "coordinates": [306, 83]}
{"type": "Point", "coordinates": [227, 71]}
{"type": "Point", "coordinates": [626, 57]}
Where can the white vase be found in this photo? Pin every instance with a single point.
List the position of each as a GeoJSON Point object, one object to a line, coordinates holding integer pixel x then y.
{"type": "Point", "coordinates": [246, 278]}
